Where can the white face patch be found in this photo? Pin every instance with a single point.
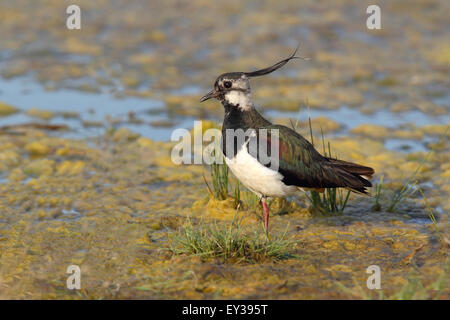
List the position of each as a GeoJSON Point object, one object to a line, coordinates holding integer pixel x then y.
{"type": "Point", "coordinates": [240, 98]}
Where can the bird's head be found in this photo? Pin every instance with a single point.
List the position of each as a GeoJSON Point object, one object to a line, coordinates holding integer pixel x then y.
{"type": "Point", "coordinates": [233, 88]}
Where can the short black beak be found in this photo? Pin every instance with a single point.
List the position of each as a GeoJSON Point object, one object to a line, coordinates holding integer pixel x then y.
{"type": "Point", "coordinates": [209, 95]}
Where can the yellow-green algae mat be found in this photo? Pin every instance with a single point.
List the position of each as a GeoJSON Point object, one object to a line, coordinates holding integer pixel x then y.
{"type": "Point", "coordinates": [110, 205]}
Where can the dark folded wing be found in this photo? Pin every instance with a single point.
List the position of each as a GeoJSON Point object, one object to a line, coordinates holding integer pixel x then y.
{"type": "Point", "coordinates": [301, 165]}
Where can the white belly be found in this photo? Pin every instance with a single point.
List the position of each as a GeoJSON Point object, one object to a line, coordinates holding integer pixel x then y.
{"type": "Point", "coordinates": [256, 177]}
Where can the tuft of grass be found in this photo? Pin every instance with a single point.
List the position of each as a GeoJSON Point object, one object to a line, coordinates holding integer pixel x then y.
{"type": "Point", "coordinates": [219, 176]}
{"type": "Point", "coordinates": [332, 200]}
{"type": "Point", "coordinates": [408, 189]}
{"type": "Point", "coordinates": [378, 188]}
{"type": "Point", "coordinates": [230, 243]}
{"type": "Point", "coordinates": [400, 195]}
{"type": "Point", "coordinates": [222, 184]}
{"type": "Point", "coordinates": [220, 181]}
{"type": "Point", "coordinates": [430, 212]}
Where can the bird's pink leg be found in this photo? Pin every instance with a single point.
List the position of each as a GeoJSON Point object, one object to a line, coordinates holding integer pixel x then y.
{"type": "Point", "coordinates": [265, 214]}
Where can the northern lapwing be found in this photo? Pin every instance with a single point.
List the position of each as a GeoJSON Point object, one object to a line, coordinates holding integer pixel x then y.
{"type": "Point", "coordinates": [299, 165]}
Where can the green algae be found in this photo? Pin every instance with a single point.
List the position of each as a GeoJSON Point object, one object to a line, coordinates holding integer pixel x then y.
{"type": "Point", "coordinates": [41, 114]}
{"type": "Point", "coordinates": [113, 207]}
{"type": "Point", "coordinates": [6, 109]}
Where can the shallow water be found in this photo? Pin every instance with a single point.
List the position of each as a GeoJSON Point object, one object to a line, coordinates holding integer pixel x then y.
{"type": "Point", "coordinates": [102, 107]}
{"type": "Point", "coordinates": [26, 94]}
{"type": "Point", "coordinates": [351, 117]}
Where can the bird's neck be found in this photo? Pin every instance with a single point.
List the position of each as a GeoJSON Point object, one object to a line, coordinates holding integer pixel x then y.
{"type": "Point", "coordinates": [237, 118]}
{"type": "Point", "coordinates": [240, 99]}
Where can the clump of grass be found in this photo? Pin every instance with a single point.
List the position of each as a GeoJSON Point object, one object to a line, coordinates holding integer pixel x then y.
{"type": "Point", "coordinates": [378, 188]}
{"type": "Point", "coordinates": [430, 212]}
{"type": "Point", "coordinates": [222, 184]}
{"type": "Point", "coordinates": [332, 200]}
{"type": "Point", "coordinates": [219, 176]}
{"type": "Point", "coordinates": [408, 189]}
{"type": "Point", "coordinates": [230, 243]}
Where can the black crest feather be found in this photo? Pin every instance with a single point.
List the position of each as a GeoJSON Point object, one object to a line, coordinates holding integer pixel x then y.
{"type": "Point", "coordinates": [276, 66]}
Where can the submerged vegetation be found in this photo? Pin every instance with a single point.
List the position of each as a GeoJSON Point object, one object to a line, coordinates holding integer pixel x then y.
{"type": "Point", "coordinates": [412, 289]}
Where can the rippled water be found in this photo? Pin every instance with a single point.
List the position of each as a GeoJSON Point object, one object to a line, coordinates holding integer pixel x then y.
{"type": "Point", "coordinates": [96, 107]}
{"type": "Point", "coordinates": [104, 108]}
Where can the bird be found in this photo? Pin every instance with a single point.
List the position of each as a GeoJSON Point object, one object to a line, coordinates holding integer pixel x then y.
{"type": "Point", "coordinates": [298, 165]}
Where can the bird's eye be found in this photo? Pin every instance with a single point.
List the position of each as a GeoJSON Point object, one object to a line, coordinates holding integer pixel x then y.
{"type": "Point", "coordinates": [227, 84]}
